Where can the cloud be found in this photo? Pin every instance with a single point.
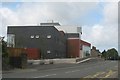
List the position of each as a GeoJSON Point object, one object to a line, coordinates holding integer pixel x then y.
{"type": "Point", "coordinates": [59, 0]}
{"type": "Point", "coordinates": [111, 13]}
{"type": "Point", "coordinates": [33, 13]}
{"type": "Point", "coordinates": [8, 18]}
{"type": "Point", "coordinates": [101, 36]}
{"type": "Point", "coordinates": [105, 34]}
{"type": "Point", "coordinates": [62, 12]}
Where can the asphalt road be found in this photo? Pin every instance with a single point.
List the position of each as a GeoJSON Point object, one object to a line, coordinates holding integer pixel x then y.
{"type": "Point", "coordinates": [95, 68]}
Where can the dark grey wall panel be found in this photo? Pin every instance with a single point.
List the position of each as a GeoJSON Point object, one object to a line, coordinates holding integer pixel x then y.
{"type": "Point", "coordinates": [56, 44]}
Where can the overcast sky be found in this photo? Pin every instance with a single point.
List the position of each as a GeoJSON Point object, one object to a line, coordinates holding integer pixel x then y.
{"type": "Point", "coordinates": [97, 19]}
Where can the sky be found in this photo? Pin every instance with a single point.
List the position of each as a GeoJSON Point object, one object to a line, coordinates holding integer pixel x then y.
{"type": "Point", "coordinates": [98, 19]}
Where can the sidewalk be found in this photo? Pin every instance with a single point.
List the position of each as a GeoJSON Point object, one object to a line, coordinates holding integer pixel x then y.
{"type": "Point", "coordinates": [81, 61]}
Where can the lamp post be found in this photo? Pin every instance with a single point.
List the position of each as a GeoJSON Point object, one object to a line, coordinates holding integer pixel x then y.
{"type": "Point", "coordinates": [1, 39]}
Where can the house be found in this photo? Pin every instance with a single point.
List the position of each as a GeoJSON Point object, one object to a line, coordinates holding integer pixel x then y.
{"type": "Point", "coordinates": [95, 52]}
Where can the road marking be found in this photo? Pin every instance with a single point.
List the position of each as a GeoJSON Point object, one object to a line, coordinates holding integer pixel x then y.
{"type": "Point", "coordinates": [75, 70]}
{"type": "Point", "coordinates": [72, 71]}
{"type": "Point", "coordinates": [97, 74]}
{"type": "Point", "coordinates": [45, 76]}
{"type": "Point", "coordinates": [89, 76]}
{"type": "Point", "coordinates": [94, 76]}
{"type": "Point", "coordinates": [69, 72]}
{"type": "Point", "coordinates": [109, 73]}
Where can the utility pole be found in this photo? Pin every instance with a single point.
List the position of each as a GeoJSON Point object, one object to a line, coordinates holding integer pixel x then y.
{"type": "Point", "coordinates": [1, 39]}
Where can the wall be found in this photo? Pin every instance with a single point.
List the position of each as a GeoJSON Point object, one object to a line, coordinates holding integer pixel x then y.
{"type": "Point", "coordinates": [33, 53]}
{"type": "Point", "coordinates": [73, 49]}
{"type": "Point", "coordinates": [85, 48]}
{"type": "Point", "coordinates": [51, 43]}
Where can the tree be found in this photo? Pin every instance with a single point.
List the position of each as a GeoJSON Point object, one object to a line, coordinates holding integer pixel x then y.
{"type": "Point", "coordinates": [112, 54]}
{"type": "Point", "coordinates": [5, 58]}
{"type": "Point", "coordinates": [4, 49]}
{"type": "Point", "coordinates": [104, 54]}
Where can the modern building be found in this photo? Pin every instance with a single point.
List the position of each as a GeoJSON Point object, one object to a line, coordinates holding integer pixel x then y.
{"type": "Point", "coordinates": [73, 35]}
{"type": "Point", "coordinates": [64, 28]}
{"type": "Point", "coordinates": [50, 24]}
{"type": "Point", "coordinates": [50, 41]}
{"type": "Point", "coordinates": [85, 49]}
{"type": "Point", "coordinates": [73, 45]}
{"type": "Point", "coordinates": [70, 29]}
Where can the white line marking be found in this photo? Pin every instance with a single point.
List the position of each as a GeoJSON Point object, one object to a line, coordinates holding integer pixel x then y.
{"type": "Point", "coordinates": [45, 76]}
{"type": "Point", "coordinates": [72, 71]}
{"type": "Point", "coordinates": [68, 72]}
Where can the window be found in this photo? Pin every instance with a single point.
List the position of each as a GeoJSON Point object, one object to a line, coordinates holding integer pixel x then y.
{"type": "Point", "coordinates": [48, 51]}
{"type": "Point", "coordinates": [37, 36]}
{"type": "Point", "coordinates": [48, 36]}
{"type": "Point", "coordinates": [32, 36]}
{"type": "Point", "coordinates": [10, 40]}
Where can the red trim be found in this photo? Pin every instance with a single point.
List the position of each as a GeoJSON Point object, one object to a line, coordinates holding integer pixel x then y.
{"type": "Point", "coordinates": [85, 43]}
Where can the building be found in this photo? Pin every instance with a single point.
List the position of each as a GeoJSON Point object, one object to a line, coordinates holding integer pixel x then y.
{"type": "Point", "coordinates": [72, 34]}
{"type": "Point", "coordinates": [50, 41]}
{"type": "Point", "coordinates": [95, 52]}
{"type": "Point", "coordinates": [73, 44]}
{"type": "Point", "coordinates": [70, 29]}
{"type": "Point", "coordinates": [50, 24]}
{"type": "Point", "coordinates": [76, 47]}
{"type": "Point", "coordinates": [64, 28]}
{"type": "Point", "coordinates": [85, 49]}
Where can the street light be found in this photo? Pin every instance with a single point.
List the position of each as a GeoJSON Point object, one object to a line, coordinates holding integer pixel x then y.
{"type": "Point", "coordinates": [1, 39]}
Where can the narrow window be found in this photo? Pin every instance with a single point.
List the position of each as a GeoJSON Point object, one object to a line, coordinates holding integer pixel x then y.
{"type": "Point", "coordinates": [48, 51]}
{"type": "Point", "coordinates": [10, 40]}
{"type": "Point", "coordinates": [48, 36]}
{"type": "Point", "coordinates": [32, 36]}
{"type": "Point", "coordinates": [37, 36]}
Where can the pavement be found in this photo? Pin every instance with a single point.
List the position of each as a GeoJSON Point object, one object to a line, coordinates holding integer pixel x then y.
{"type": "Point", "coordinates": [93, 68]}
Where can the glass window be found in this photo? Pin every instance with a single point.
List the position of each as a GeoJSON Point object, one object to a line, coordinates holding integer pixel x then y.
{"type": "Point", "coordinates": [10, 40]}
{"type": "Point", "coordinates": [37, 36]}
{"type": "Point", "coordinates": [32, 36]}
{"type": "Point", "coordinates": [48, 36]}
{"type": "Point", "coordinates": [48, 51]}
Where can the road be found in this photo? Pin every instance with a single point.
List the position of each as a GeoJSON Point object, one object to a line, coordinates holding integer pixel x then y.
{"type": "Point", "coordinates": [94, 68]}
